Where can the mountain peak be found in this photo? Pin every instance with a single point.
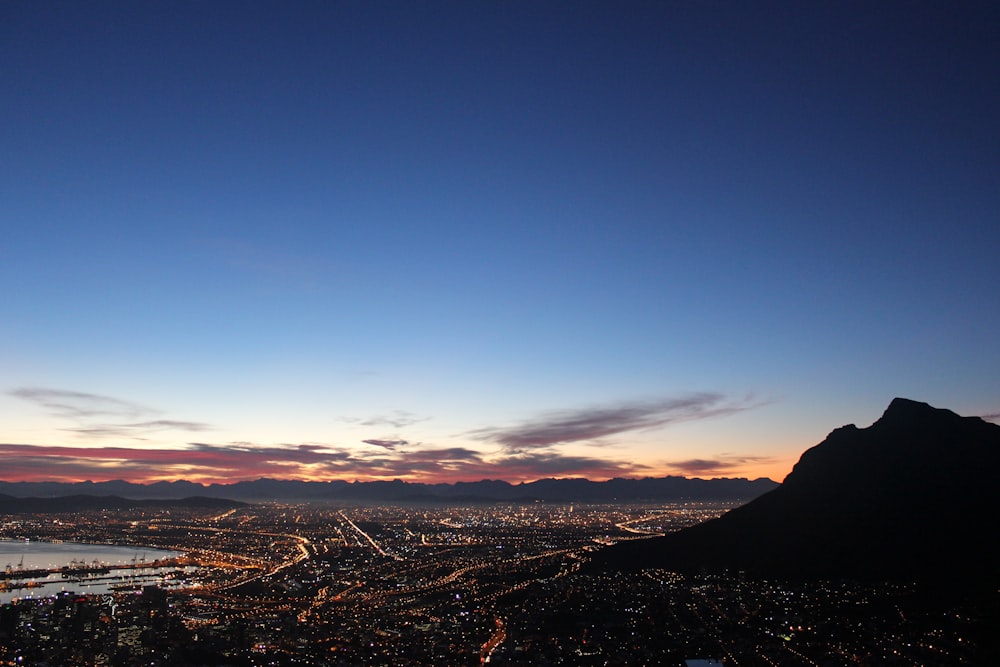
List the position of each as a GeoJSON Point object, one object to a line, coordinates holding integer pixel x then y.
{"type": "Point", "coordinates": [913, 412]}
{"type": "Point", "coordinates": [901, 403]}
{"type": "Point", "coordinates": [902, 498]}
{"type": "Point", "coordinates": [911, 441]}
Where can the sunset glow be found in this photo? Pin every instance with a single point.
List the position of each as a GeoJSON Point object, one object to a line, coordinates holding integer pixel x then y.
{"type": "Point", "coordinates": [371, 241]}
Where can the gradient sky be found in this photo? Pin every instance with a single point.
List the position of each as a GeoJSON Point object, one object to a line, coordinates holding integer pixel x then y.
{"type": "Point", "coordinates": [465, 240]}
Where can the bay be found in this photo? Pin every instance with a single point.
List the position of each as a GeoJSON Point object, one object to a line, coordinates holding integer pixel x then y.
{"type": "Point", "coordinates": [21, 555]}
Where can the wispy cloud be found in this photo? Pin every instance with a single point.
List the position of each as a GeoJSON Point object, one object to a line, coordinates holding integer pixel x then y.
{"type": "Point", "coordinates": [721, 465]}
{"type": "Point", "coordinates": [91, 412]}
{"type": "Point", "coordinates": [138, 430]}
{"type": "Point", "coordinates": [224, 463]}
{"type": "Point", "coordinates": [995, 416]}
{"type": "Point", "coordinates": [590, 424]}
{"type": "Point", "coordinates": [397, 419]}
{"type": "Point", "coordinates": [524, 452]}
{"type": "Point", "coordinates": [236, 454]}
{"type": "Point", "coordinates": [78, 404]}
{"type": "Point", "coordinates": [544, 464]}
{"type": "Point", "coordinates": [195, 462]}
{"type": "Point", "coordinates": [386, 444]}
{"type": "Point", "coordinates": [462, 463]}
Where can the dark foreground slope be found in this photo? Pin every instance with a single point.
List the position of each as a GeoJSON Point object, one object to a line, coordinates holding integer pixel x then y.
{"type": "Point", "coordinates": [914, 496]}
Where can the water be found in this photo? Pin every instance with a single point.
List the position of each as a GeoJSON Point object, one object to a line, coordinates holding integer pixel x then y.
{"type": "Point", "coordinates": [20, 554]}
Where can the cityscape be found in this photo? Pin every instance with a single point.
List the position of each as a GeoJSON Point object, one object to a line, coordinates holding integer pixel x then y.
{"type": "Point", "coordinates": [348, 584]}
{"type": "Point", "coordinates": [384, 333]}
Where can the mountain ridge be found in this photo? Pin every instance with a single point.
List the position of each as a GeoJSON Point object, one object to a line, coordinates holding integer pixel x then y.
{"type": "Point", "coordinates": [88, 503]}
{"type": "Point", "coordinates": [550, 490]}
{"type": "Point", "coordinates": [911, 497]}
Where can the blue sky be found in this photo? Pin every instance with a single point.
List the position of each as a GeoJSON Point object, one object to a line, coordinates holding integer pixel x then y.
{"type": "Point", "coordinates": [508, 240]}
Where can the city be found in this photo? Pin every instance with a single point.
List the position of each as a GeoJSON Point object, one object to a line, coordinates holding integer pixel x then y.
{"type": "Point", "coordinates": [499, 333]}
{"type": "Point", "coordinates": [341, 584]}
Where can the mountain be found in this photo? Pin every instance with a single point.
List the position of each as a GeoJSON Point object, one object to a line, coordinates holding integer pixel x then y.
{"type": "Point", "coordinates": [85, 503]}
{"type": "Point", "coordinates": [551, 490]}
{"type": "Point", "coordinates": [912, 497]}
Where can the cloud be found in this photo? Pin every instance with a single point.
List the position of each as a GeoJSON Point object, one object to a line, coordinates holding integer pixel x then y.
{"type": "Point", "coordinates": [524, 452]}
{"type": "Point", "coordinates": [398, 419]}
{"type": "Point", "coordinates": [568, 426]}
{"type": "Point", "coordinates": [420, 464]}
{"type": "Point", "coordinates": [232, 462]}
{"type": "Point", "coordinates": [194, 462]}
{"type": "Point", "coordinates": [78, 404]}
{"type": "Point", "coordinates": [83, 408]}
{"type": "Point", "coordinates": [387, 444]}
{"type": "Point", "coordinates": [991, 417]}
{"type": "Point", "coordinates": [722, 465]}
{"type": "Point", "coordinates": [463, 464]}
{"type": "Point", "coordinates": [138, 429]}
{"type": "Point", "coordinates": [533, 465]}
{"type": "Point", "coordinates": [172, 424]}
{"type": "Point", "coordinates": [237, 453]}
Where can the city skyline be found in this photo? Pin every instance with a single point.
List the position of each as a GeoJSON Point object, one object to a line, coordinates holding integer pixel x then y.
{"type": "Point", "coordinates": [453, 242]}
{"type": "Point", "coordinates": [851, 558]}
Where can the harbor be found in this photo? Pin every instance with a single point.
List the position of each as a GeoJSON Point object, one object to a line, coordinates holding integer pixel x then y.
{"type": "Point", "coordinates": [39, 569]}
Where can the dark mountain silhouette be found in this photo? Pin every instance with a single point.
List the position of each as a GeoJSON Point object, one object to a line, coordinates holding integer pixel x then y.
{"type": "Point", "coordinates": [552, 490]}
{"type": "Point", "coordinates": [912, 497]}
{"type": "Point", "coordinates": [84, 503]}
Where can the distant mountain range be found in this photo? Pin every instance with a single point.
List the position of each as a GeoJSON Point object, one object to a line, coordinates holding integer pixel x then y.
{"type": "Point", "coordinates": [550, 490]}
{"type": "Point", "coordinates": [85, 503]}
{"type": "Point", "coordinates": [914, 496]}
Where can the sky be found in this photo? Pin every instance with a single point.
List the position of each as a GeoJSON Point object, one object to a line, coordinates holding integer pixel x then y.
{"type": "Point", "coordinates": [441, 241]}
